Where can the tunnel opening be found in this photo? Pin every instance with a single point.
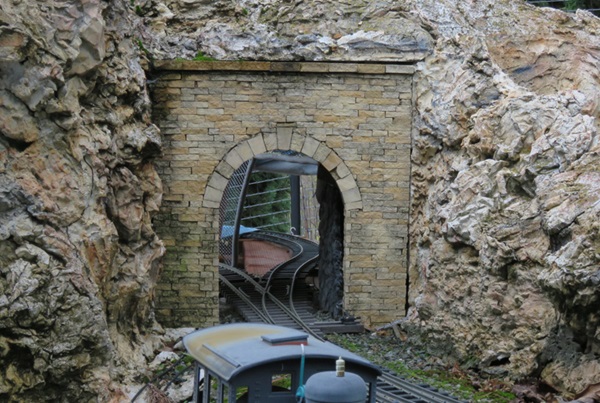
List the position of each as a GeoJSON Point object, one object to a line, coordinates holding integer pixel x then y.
{"type": "Point", "coordinates": [285, 192]}
{"type": "Point", "coordinates": [331, 245]}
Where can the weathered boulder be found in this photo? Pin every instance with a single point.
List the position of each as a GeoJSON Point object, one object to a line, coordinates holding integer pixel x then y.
{"type": "Point", "coordinates": [505, 192]}
{"type": "Point", "coordinates": [78, 256]}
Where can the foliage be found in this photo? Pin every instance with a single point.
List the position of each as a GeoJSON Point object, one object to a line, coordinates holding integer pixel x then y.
{"type": "Point", "coordinates": [267, 203]}
{"type": "Point", "coordinates": [200, 57]}
{"type": "Point", "coordinates": [454, 380]}
{"type": "Point", "coordinates": [141, 46]}
{"type": "Point", "coordinates": [571, 5]}
{"type": "Point", "coordinates": [282, 382]}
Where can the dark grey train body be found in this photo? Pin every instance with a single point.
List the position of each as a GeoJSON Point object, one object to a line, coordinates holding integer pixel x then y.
{"type": "Point", "coordinates": [255, 362]}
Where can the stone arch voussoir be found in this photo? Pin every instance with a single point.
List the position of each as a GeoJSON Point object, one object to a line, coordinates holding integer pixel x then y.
{"type": "Point", "coordinates": [283, 139]}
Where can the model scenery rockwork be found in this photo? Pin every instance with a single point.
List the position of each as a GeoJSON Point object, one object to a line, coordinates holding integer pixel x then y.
{"type": "Point", "coordinates": [505, 242]}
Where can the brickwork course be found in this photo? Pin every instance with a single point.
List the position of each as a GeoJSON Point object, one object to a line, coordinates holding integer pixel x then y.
{"type": "Point", "coordinates": [354, 119]}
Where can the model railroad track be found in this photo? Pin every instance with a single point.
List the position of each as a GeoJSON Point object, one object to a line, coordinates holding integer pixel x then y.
{"type": "Point", "coordinates": [392, 388]}
{"type": "Point", "coordinates": [262, 300]}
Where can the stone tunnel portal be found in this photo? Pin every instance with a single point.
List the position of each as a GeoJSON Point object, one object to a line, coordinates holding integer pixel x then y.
{"type": "Point", "coordinates": [353, 119]}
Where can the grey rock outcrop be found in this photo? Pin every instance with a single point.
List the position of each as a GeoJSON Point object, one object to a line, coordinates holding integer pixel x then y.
{"type": "Point", "coordinates": [285, 30]}
{"type": "Point", "coordinates": [505, 200]}
{"type": "Point", "coordinates": [78, 256]}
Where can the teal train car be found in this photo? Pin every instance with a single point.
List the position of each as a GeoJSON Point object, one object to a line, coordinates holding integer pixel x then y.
{"type": "Point", "coordinates": [261, 363]}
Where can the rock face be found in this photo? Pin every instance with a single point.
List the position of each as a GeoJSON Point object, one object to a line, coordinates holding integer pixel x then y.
{"type": "Point", "coordinates": [505, 240]}
{"type": "Point", "coordinates": [78, 256]}
{"type": "Point", "coordinates": [505, 243]}
{"type": "Point", "coordinates": [504, 235]}
{"type": "Point", "coordinates": [331, 227]}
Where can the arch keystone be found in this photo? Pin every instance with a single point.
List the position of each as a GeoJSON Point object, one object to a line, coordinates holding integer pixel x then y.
{"type": "Point", "coordinates": [284, 137]}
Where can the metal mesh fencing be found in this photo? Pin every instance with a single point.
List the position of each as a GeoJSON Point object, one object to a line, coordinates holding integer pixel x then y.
{"type": "Point", "coordinates": [228, 212]}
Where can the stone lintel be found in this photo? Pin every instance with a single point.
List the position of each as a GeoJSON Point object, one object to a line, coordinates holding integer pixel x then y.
{"type": "Point", "coordinates": [285, 67]}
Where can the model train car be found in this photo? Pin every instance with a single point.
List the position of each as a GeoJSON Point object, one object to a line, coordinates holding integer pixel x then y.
{"type": "Point", "coordinates": [255, 362]}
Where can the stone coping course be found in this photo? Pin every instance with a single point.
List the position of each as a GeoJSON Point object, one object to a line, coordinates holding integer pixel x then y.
{"type": "Point", "coordinates": [288, 67]}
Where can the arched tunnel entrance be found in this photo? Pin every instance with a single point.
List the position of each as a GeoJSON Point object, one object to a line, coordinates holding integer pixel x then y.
{"type": "Point", "coordinates": [285, 192]}
{"type": "Point", "coordinates": [353, 120]}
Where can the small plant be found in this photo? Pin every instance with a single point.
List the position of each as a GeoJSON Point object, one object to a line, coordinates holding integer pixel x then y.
{"type": "Point", "coordinates": [572, 5]}
{"type": "Point", "coordinates": [155, 395]}
{"type": "Point", "coordinates": [141, 46]}
{"type": "Point", "coordinates": [454, 380]}
{"type": "Point", "coordinates": [200, 57]}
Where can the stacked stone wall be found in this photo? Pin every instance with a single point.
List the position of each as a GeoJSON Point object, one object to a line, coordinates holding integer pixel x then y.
{"type": "Point", "coordinates": [355, 119]}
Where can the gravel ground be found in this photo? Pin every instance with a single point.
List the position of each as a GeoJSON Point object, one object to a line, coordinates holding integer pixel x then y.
{"type": "Point", "coordinates": [385, 349]}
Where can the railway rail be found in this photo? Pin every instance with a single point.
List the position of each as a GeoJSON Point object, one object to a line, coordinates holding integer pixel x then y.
{"type": "Point", "coordinates": [282, 297]}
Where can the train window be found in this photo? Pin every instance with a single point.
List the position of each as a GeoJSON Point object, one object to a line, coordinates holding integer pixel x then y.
{"type": "Point", "coordinates": [224, 395]}
{"type": "Point", "coordinates": [281, 383]}
{"type": "Point", "coordinates": [218, 392]}
{"type": "Point", "coordinates": [241, 394]}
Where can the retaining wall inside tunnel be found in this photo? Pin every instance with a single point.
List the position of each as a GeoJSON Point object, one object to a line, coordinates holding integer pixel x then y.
{"type": "Point", "coordinates": [354, 119]}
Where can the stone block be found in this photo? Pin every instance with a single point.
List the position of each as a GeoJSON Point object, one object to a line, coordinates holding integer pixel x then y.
{"type": "Point", "coordinates": [244, 151]}
{"type": "Point", "coordinates": [327, 118]}
{"type": "Point", "coordinates": [297, 141]}
{"type": "Point", "coordinates": [285, 66]}
{"type": "Point", "coordinates": [314, 67]}
{"type": "Point", "coordinates": [181, 84]}
{"type": "Point", "coordinates": [332, 161]}
{"type": "Point", "coordinates": [371, 69]}
{"type": "Point", "coordinates": [321, 153]}
{"type": "Point", "coordinates": [257, 144]}
{"type": "Point", "coordinates": [218, 181]}
{"type": "Point", "coordinates": [351, 195]}
{"type": "Point", "coordinates": [346, 183]}
{"type": "Point", "coordinates": [310, 146]}
{"type": "Point", "coordinates": [284, 137]}
{"type": "Point", "coordinates": [270, 140]}
{"type": "Point", "coordinates": [234, 159]}
{"type": "Point", "coordinates": [343, 68]}
{"type": "Point", "coordinates": [357, 205]}
{"type": "Point", "coordinates": [224, 169]}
